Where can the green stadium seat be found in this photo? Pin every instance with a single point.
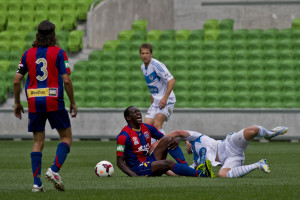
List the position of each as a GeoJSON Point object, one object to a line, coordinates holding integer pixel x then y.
{"type": "Point", "coordinates": [54, 6]}
{"type": "Point", "coordinates": [110, 45]}
{"type": "Point", "coordinates": [27, 6]}
{"type": "Point", "coordinates": [211, 24]}
{"type": "Point", "coordinates": [3, 7]}
{"type": "Point", "coordinates": [295, 35]}
{"type": "Point", "coordinates": [82, 9]}
{"type": "Point", "coordinates": [4, 45]}
{"type": "Point", "coordinates": [134, 56]}
{"type": "Point", "coordinates": [182, 34]}
{"type": "Point", "coordinates": [13, 6]}
{"type": "Point", "coordinates": [108, 56]}
{"type": "Point", "coordinates": [240, 34]}
{"type": "Point", "coordinates": [135, 46]}
{"type": "Point", "coordinates": [139, 25]}
{"type": "Point", "coordinates": [125, 35]}
{"type": "Point", "coordinates": [168, 35]}
{"type": "Point", "coordinates": [75, 40]}
{"type": "Point", "coordinates": [4, 55]}
{"type": "Point", "coordinates": [15, 56]}
{"type": "Point", "coordinates": [139, 36]}
{"type": "Point", "coordinates": [210, 45]}
{"type": "Point", "coordinates": [270, 34]}
{"type": "Point", "coordinates": [181, 45]}
{"type": "Point", "coordinates": [123, 46]}
{"type": "Point", "coordinates": [225, 35]}
{"type": "Point", "coordinates": [153, 35]}
{"type": "Point", "coordinates": [296, 24]}
{"type": "Point", "coordinates": [285, 44]}
{"type": "Point", "coordinates": [68, 6]}
{"type": "Point", "coordinates": [2, 22]}
{"type": "Point", "coordinates": [122, 56]}
{"type": "Point", "coordinates": [69, 20]}
{"type": "Point", "coordinates": [284, 34]}
{"type": "Point", "coordinates": [211, 34]}
{"type": "Point", "coordinates": [225, 55]}
{"type": "Point", "coordinates": [224, 45]}
{"type": "Point", "coordinates": [4, 65]}
{"type": "Point", "coordinates": [81, 65]}
{"type": "Point", "coordinates": [39, 16]}
{"type": "Point", "coordinates": [195, 45]}
{"type": "Point", "coordinates": [226, 24]}
{"type": "Point", "coordinates": [196, 35]}
{"type": "Point", "coordinates": [254, 44]}
{"type": "Point", "coordinates": [195, 56]}
{"type": "Point", "coordinates": [95, 55]}
{"type": "Point", "coordinates": [255, 34]}
{"type": "Point", "coordinates": [271, 54]}
{"type": "Point", "coordinates": [240, 44]}
{"type": "Point", "coordinates": [269, 44]}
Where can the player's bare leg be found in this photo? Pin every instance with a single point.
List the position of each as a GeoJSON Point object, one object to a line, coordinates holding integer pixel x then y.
{"type": "Point", "coordinates": [149, 121]}
{"type": "Point", "coordinates": [159, 120]}
{"type": "Point", "coordinates": [38, 141]}
{"type": "Point", "coordinates": [66, 135]}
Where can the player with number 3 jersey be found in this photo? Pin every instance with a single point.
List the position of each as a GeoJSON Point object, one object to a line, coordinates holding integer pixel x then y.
{"type": "Point", "coordinates": [48, 74]}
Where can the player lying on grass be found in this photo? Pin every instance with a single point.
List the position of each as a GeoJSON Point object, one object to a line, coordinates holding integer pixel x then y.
{"type": "Point", "coordinates": [133, 156]}
{"type": "Point", "coordinates": [228, 152]}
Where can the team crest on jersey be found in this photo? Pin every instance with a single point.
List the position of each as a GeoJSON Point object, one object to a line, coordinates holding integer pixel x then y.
{"type": "Point", "coordinates": [135, 140]}
{"type": "Point", "coordinates": [146, 134]}
{"type": "Point", "coordinates": [151, 78]}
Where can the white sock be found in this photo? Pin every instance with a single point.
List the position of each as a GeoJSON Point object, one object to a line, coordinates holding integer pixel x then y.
{"type": "Point", "coordinates": [241, 171]}
{"type": "Point", "coordinates": [162, 131]}
{"type": "Point", "coordinates": [263, 132]}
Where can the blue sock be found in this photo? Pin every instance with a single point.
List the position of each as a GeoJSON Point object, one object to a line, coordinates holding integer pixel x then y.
{"type": "Point", "coordinates": [178, 155]}
{"type": "Point", "coordinates": [184, 170]}
{"type": "Point", "coordinates": [61, 154]}
{"type": "Point", "coordinates": [36, 165]}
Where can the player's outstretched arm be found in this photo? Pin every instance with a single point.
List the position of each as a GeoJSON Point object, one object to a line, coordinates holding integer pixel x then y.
{"type": "Point", "coordinates": [123, 166]}
{"type": "Point", "coordinates": [179, 133]}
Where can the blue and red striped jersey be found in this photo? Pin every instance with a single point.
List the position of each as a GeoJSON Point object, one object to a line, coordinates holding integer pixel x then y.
{"type": "Point", "coordinates": [44, 86]}
{"type": "Point", "coordinates": [134, 144]}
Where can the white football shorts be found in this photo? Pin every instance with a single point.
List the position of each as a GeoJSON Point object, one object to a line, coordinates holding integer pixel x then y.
{"type": "Point", "coordinates": [154, 109]}
{"type": "Point", "coordinates": [231, 150]}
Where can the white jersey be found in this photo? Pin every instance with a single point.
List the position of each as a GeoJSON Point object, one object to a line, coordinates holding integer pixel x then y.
{"type": "Point", "coordinates": [203, 148]}
{"type": "Point", "coordinates": [157, 76]}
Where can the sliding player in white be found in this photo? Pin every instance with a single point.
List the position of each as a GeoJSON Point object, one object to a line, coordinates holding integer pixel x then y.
{"type": "Point", "coordinates": [228, 152]}
{"type": "Point", "coordinates": [161, 84]}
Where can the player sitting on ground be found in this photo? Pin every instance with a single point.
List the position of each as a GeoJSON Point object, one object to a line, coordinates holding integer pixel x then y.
{"type": "Point", "coordinates": [228, 152]}
{"type": "Point", "coordinates": [133, 150]}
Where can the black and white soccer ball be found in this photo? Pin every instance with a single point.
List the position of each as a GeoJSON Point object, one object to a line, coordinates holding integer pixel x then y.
{"type": "Point", "coordinates": [104, 169]}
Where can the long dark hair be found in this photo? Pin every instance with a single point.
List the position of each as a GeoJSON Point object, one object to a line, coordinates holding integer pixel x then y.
{"type": "Point", "coordinates": [45, 35]}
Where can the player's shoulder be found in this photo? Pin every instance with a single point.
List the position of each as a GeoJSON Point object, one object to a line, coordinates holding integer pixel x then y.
{"type": "Point", "coordinates": [156, 62]}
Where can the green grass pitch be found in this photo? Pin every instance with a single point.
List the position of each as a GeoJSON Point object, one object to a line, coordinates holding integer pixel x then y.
{"type": "Point", "coordinates": [81, 182]}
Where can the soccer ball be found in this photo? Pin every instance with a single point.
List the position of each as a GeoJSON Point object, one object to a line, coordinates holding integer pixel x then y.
{"type": "Point", "coordinates": [104, 169]}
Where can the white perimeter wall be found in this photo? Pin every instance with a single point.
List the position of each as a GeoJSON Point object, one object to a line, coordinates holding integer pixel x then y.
{"type": "Point", "coordinates": [107, 123]}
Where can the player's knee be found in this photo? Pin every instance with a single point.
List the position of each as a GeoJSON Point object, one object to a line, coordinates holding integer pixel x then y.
{"type": "Point", "coordinates": [252, 130]}
{"type": "Point", "coordinates": [167, 140]}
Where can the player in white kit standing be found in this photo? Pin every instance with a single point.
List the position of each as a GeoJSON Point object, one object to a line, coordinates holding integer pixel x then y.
{"type": "Point", "coordinates": [229, 153]}
{"type": "Point", "coordinates": [160, 83]}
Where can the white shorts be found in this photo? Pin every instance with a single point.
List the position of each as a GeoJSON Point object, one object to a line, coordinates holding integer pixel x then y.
{"type": "Point", "coordinates": [154, 109]}
{"type": "Point", "coordinates": [231, 150]}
